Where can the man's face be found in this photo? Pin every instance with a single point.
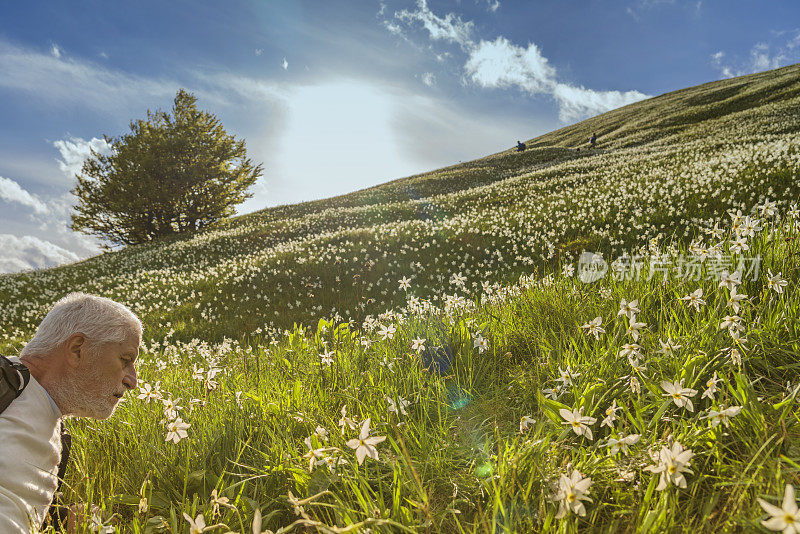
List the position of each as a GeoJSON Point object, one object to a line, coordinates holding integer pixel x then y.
{"type": "Point", "coordinates": [106, 374]}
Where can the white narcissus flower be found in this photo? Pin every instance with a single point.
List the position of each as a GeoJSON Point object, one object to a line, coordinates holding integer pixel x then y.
{"type": "Point", "coordinates": [622, 443]}
{"type": "Point", "coordinates": [315, 456]}
{"type": "Point", "coordinates": [668, 348]}
{"type": "Point", "coordinates": [634, 385]}
{"type": "Point", "coordinates": [731, 280]}
{"type": "Point", "coordinates": [732, 323]}
{"type": "Point", "coordinates": [785, 518]}
{"type": "Point", "coordinates": [776, 281]}
{"type": "Point", "coordinates": [611, 415]}
{"type": "Point", "coordinates": [326, 357]}
{"type": "Point", "coordinates": [672, 464]}
{"type": "Point", "coordinates": [147, 393]}
{"type": "Point", "coordinates": [551, 393]}
{"type": "Point", "coordinates": [387, 331]}
{"type": "Point", "coordinates": [634, 327]}
{"type": "Point", "coordinates": [171, 408]}
{"type": "Point", "coordinates": [711, 387]}
{"type": "Point", "coordinates": [593, 327]}
{"type": "Point", "coordinates": [346, 421]}
{"type": "Point", "coordinates": [480, 343]}
{"type": "Point", "coordinates": [565, 376]}
{"type": "Point", "coordinates": [196, 525]}
{"type": "Point", "coordinates": [695, 299]}
{"type": "Point", "coordinates": [364, 444]}
{"type": "Point", "coordinates": [578, 422]}
{"type": "Point", "coordinates": [401, 405]}
{"type": "Point", "coordinates": [629, 309]}
{"type": "Point", "coordinates": [458, 279]}
{"type": "Point", "coordinates": [525, 422]}
{"type": "Point", "coordinates": [749, 227]}
{"type": "Point", "coordinates": [176, 430]}
{"type": "Point", "coordinates": [418, 344]}
{"type": "Point", "coordinates": [405, 283]}
{"type": "Point", "coordinates": [630, 351]}
{"type": "Point", "coordinates": [198, 373]}
{"type": "Point", "coordinates": [98, 526]}
{"type": "Point", "coordinates": [571, 491]}
{"type": "Point", "coordinates": [735, 299]}
{"type": "Point", "coordinates": [679, 394]}
{"type": "Point", "coordinates": [723, 415]}
{"type": "Point", "coordinates": [739, 244]}
{"type": "Point", "coordinates": [217, 501]}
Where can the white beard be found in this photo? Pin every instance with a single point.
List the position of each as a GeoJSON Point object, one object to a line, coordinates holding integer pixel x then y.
{"type": "Point", "coordinates": [83, 394]}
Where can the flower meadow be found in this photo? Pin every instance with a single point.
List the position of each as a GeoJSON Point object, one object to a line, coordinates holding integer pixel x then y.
{"type": "Point", "coordinates": [428, 355]}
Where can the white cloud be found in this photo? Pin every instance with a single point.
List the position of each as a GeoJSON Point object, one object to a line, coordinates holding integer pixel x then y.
{"type": "Point", "coordinates": [429, 79]}
{"type": "Point", "coordinates": [762, 56]}
{"type": "Point", "coordinates": [285, 64]}
{"type": "Point", "coordinates": [59, 80]}
{"type": "Point", "coordinates": [493, 5]}
{"type": "Point", "coordinates": [501, 64]}
{"type": "Point", "coordinates": [55, 51]}
{"type": "Point", "coordinates": [259, 51]}
{"type": "Point", "coordinates": [578, 102]}
{"type": "Point", "coordinates": [74, 152]}
{"type": "Point", "coordinates": [11, 191]}
{"type": "Point", "coordinates": [30, 252]}
{"type": "Point", "coordinates": [450, 28]}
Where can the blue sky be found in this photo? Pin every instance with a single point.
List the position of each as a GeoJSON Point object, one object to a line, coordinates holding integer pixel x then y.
{"type": "Point", "coordinates": [335, 96]}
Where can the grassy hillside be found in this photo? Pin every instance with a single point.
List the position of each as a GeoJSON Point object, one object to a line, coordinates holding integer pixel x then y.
{"type": "Point", "coordinates": [662, 163]}
{"type": "Point", "coordinates": [454, 292]}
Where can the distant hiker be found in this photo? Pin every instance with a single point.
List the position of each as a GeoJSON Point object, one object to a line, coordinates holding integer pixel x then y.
{"type": "Point", "coordinates": [80, 363]}
{"type": "Point", "coordinates": [593, 141]}
{"type": "Point", "coordinates": [521, 147]}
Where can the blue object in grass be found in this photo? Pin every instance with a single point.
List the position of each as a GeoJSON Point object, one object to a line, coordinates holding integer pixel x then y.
{"type": "Point", "coordinates": [436, 359]}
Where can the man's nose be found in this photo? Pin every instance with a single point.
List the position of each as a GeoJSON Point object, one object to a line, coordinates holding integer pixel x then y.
{"type": "Point", "coordinates": [130, 381]}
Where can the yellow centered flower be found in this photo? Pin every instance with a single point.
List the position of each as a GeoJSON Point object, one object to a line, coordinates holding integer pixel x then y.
{"type": "Point", "coordinates": [671, 469]}
{"type": "Point", "coordinates": [576, 423]}
{"type": "Point", "coordinates": [571, 497]}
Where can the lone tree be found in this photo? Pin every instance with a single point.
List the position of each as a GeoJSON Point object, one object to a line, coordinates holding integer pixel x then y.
{"type": "Point", "coordinates": [170, 174]}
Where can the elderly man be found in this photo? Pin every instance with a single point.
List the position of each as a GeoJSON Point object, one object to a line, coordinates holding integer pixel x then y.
{"type": "Point", "coordinates": [81, 361]}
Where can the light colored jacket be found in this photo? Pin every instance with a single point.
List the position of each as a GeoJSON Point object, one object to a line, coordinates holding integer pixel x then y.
{"type": "Point", "coordinates": [30, 450]}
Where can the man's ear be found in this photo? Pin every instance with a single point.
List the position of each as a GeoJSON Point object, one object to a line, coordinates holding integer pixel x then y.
{"type": "Point", "coordinates": [75, 349]}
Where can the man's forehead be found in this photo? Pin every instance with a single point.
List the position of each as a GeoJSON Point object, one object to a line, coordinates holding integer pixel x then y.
{"type": "Point", "coordinates": [132, 341]}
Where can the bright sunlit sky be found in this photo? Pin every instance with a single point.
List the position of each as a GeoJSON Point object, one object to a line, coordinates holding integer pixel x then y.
{"type": "Point", "coordinates": [336, 96]}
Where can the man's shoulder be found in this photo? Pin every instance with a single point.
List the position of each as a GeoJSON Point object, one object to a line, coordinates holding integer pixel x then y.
{"type": "Point", "coordinates": [14, 378]}
{"type": "Point", "coordinates": [31, 405]}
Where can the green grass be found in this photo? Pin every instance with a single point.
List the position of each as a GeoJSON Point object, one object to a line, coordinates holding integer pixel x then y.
{"type": "Point", "coordinates": [263, 296]}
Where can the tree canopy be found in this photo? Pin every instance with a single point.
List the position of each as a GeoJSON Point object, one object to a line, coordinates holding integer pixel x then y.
{"type": "Point", "coordinates": [174, 172]}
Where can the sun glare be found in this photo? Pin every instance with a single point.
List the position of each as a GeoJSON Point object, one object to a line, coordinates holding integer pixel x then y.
{"type": "Point", "coordinates": [338, 139]}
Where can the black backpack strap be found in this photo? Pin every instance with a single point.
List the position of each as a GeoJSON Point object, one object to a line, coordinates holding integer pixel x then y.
{"type": "Point", "coordinates": [14, 376]}
{"type": "Point", "coordinates": [58, 514]}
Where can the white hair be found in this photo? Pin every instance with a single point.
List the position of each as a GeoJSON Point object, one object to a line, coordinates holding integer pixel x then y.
{"type": "Point", "coordinates": [99, 319]}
